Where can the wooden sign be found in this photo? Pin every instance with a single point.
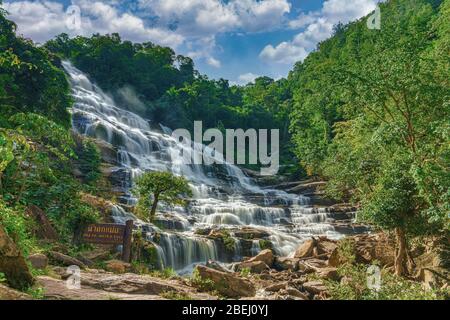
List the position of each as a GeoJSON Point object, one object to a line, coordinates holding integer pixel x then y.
{"type": "Point", "coordinates": [110, 233]}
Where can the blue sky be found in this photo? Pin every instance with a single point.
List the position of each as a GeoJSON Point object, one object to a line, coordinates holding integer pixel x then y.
{"type": "Point", "coordinates": [232, 39]}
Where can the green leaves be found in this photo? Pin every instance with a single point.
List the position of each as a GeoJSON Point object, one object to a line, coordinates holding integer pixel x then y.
{"type": "Point", "coordinates": [6, 152]}
{"type": "Point", "coordinates": [370, 112]}
{"type": "Point", "coordinates": [152, 187]}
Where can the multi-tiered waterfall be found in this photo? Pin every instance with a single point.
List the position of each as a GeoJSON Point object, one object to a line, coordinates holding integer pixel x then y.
{"type": "Point", "coordinates": [224, 197]}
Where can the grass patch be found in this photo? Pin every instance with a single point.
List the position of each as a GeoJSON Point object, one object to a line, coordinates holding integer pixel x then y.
{"type": "Point", "coordinates": [173, 295]}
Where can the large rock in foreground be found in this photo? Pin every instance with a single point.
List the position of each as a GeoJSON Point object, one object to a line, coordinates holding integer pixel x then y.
{"type": "Point", "coordinates": [368, 248]}
{"type": "Point", "coordinates": [7, 293]}
{"type": "Point", "coordinates": [265, 256]}
{"type": "Point", "coordinates": [12, 263]}
{"type": "Point", "coordinates": [227, 284]}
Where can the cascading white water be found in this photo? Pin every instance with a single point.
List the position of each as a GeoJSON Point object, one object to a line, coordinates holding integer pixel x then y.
{"type": "Point", "coordinates": [217, 202]}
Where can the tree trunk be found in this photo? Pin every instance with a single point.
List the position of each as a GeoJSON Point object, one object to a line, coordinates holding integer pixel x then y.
{"type": "Point", "coordinates": [401, 256]}
{"type": "Point", "coordinates": [154, 206]}
{"type": "Point", "coordinates": [13, 264]}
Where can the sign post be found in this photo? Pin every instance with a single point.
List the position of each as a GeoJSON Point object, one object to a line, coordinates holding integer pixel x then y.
{"type": "Point", "coordinates": [126, 249]}
{"type": "Point", "coordinates": [110, 233]}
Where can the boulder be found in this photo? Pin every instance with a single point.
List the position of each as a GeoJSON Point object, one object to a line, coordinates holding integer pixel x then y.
{"type": "Point", "coordinates": [328, 273]}
{"type": "Point", "coordinates": [217, 266]}
{"type": "Point", "coordinates": [227, 284]}
{"type": "Point", "coordinates": [284, 263]}
{"type": "Point", "coordinates": [276, 286]}
{"type": "Point", "coordinates": [7, 293]}
{"type": "Point", "coordinates": [117, 266]}
{"type": "Point", "coordinates": [296, 293]}
{"type": "Point", "coordinates": [13, 264]}
{"type": "Point", "coordinates": [315, 287]}
{"type": "Point", "coordinates": [250, 233]}
{"type": "Point", "coordinates": [326, 246]}
{"type": "Point", "coordinates": [253, 266]}
{"type": "Point", "coordinates": [306, 249]}
{"type": "Point", "coordinates": [65, 259]}
{"type": "Point", "coordinates": [314, 263]}
{"type": "Point", "coordinates": [265, 256]}
{"type": "Point", "coordinates": [38, 261]}
{"type": "Point", "coordinates": [366, 249]}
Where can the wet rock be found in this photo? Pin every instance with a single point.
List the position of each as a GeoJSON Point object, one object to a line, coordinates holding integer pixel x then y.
{"type": "Point", "coordinates": [12, 263]}
{"type": "Point", "coordinates": [249, 233]}
{"type": "Point", "coordinates": [306, 249]}
{"type": "Point", "coordinates": [107, 151]}
{"type": "Point", "coordinates": [265, 256]}
{"type": "Point", "coordinates": [253, 266]}
{"type": "Point", "coordinates": [216, 266]}
{"type": "Point", "coordinates": [227, 284]}
{"type": "Point", "coordinates": [117, 266]}
{"type": "Point", "coordinates": [170, 222]}
{"type": "Point", "coordinates": [38, 261]}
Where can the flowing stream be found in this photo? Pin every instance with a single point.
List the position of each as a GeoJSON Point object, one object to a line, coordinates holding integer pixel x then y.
{"type": "Point", "coordinates": [223, 196]}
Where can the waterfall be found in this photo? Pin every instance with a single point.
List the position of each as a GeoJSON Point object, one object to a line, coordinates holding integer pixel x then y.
{"type": "Point", "coordinates": [223, 196]}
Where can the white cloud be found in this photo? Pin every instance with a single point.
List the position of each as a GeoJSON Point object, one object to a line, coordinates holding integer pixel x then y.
{"type": "Point", "coordinates": [318, 26]}
{"type": "Point", "coordinates": [42, 20]}
{"type": "Point", "coordinates": [194, 23]}
{"type": "Point", "coordinates": [213, 62]}
{"type": "Point", "coordinates": [199, 17]}
{"type": "Point", "coordinates": [245, 78]}
{"type": "Point", "coordinates": [303, 20]}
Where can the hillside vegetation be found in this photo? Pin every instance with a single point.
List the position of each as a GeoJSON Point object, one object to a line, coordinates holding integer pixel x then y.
{"type": "Point", "coordinates": [368, 111]}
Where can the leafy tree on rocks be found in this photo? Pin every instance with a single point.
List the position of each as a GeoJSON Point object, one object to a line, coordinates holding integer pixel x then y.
{"type": "Point", "coordinates": [153, 187]}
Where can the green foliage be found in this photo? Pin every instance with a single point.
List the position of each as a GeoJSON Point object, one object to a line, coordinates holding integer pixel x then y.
{"type": "Point", "coordinates": [265, 244]}
{"type": "Point", "coordinates": [152, 187]}
{"type": "Point", "coordinates": [228, 241]}
{"type": "Point", "coordinates": [371, 115]}
{"type": "Point", "coordinates": [153, 81]}
{"type": "Point", "coordinates": [206, 285]}
{"type": "Point", "coordinates": [2, 277]}
{"type": "Point", "coordinates": [166, 273]}
{"type": "Point", "coordinates": [37, 293]}
{"type": "Point", "coordinates": [17, 227]}
{"type": "Point", "coordinates": [174, 295]}
{"type": "Point", "coordinates": [245, 272]}
{"type": "Point", "coordinates": [88, 161]}
{"type": "Point", "coordinates": [150, 69]}
{"type": "Point", "coordinates": [354, 279]}
{"type": "Point", "coordinates": [354, 287]}
{"type": "Point", "coordinates": [29, 78]}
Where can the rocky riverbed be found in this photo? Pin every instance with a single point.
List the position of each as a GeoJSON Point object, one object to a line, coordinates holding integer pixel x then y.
{"type": "Point", "coordinates": [304, 276]}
